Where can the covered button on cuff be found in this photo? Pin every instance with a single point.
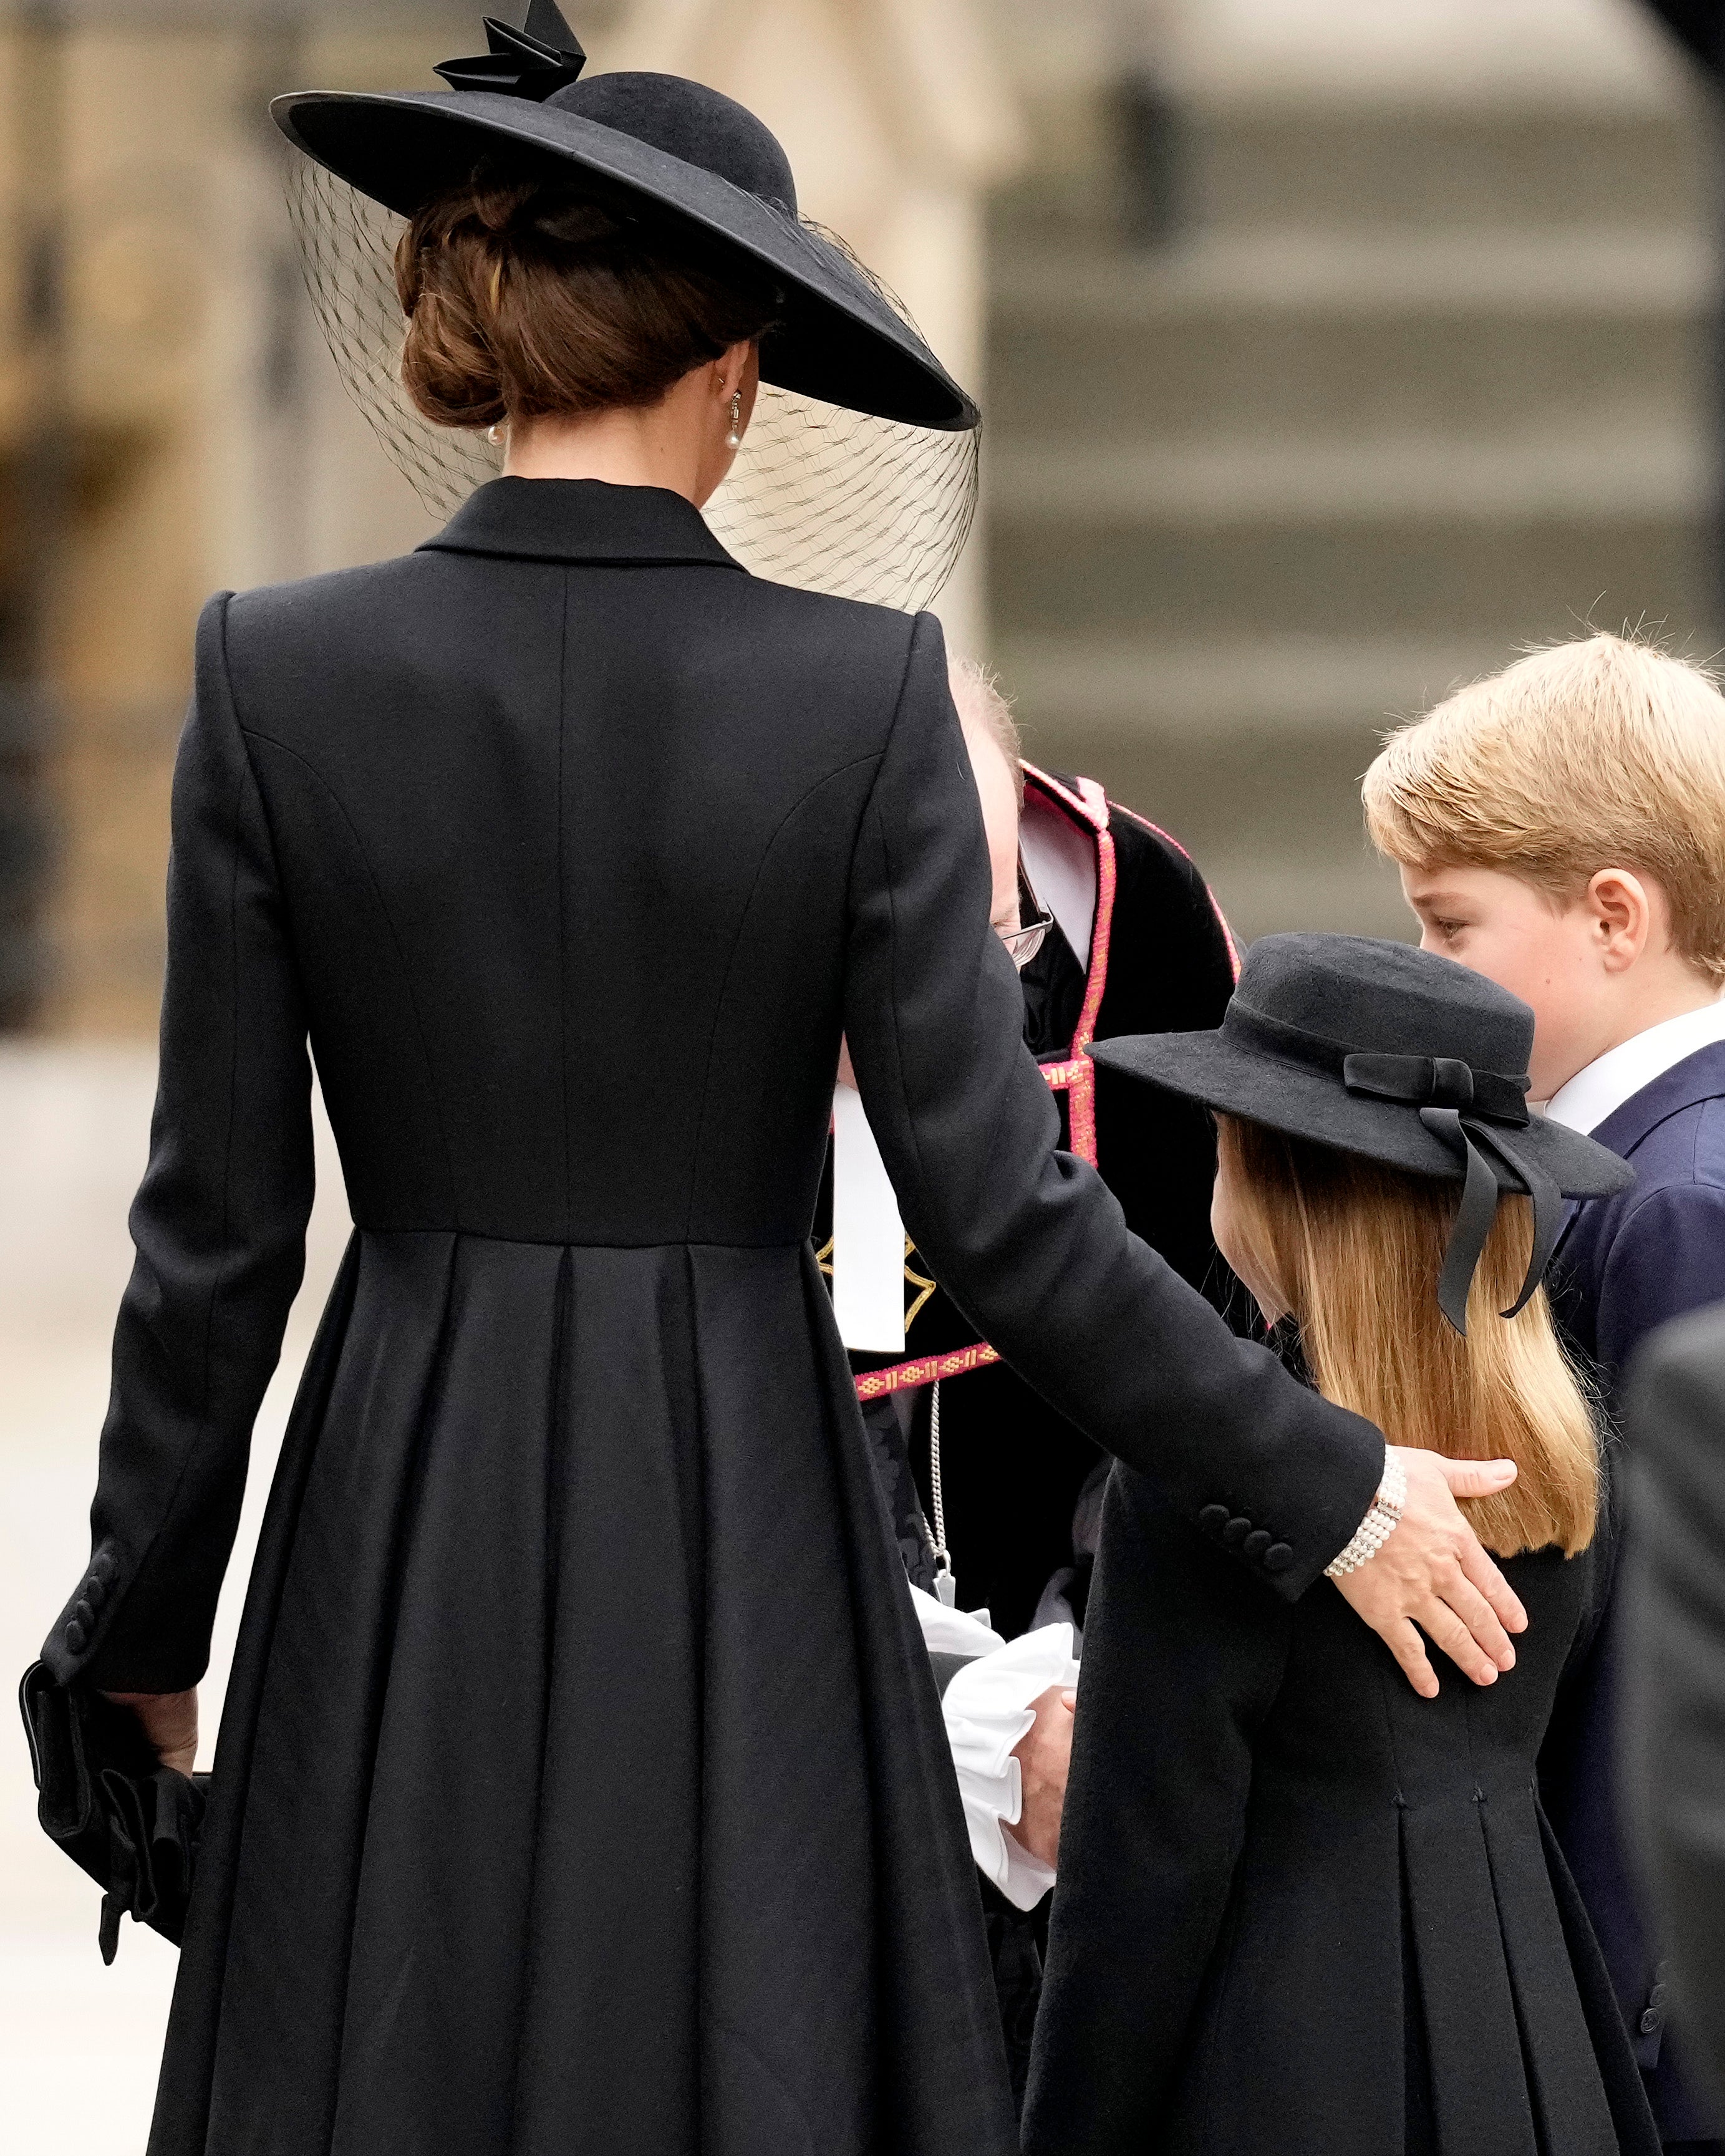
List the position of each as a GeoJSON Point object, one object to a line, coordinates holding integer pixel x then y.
{"type": "Point", "coordinates": [1278, 1557]}
{"type": "Point", "coordinates": [1213, 1519]}
{"type": "Point", "coordinates": [1256, 1543]}
{"type": "Point", "coordinates": [77, 1638]}
{"type": "Point", "coordinates": [1236, 1530]}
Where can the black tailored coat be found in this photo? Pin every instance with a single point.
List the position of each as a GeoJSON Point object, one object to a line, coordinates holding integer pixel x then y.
{"type": "Point", "coordinates": [581, 1785]}
{"type": "Point", "coordinates": [1300, 1908]}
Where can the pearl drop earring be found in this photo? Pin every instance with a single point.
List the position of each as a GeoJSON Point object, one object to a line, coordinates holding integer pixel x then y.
{"type": "Point", "coordinates": [733, 441]}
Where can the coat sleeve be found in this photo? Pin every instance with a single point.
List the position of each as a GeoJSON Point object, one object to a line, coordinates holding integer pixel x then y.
{"type": "Point", "coordinates": [1179, 1670]}
{"type": "Point", "coordinates": [1026, 1238]}
{"type": "Point", "coordinates": [218, 1225]}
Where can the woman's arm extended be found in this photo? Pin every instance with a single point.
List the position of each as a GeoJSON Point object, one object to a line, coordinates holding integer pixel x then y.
{"type": "Point", "coordinates": [1180, 1669]}
{"type": "Point", "coordinates": [219, 1224]}
{"type": "Point", "coordinates": [1032, 1246]}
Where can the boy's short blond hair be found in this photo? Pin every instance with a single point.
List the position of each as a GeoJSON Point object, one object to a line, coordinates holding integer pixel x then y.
{"type": "Point", "coordinates": [1595, 754]}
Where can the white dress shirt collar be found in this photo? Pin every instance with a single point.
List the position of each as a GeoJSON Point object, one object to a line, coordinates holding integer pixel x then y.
{"type": "Point", "coordinates": [1602, 1087]}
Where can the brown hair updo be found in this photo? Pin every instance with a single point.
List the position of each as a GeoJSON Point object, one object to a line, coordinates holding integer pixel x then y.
{"type": "Point", "coordinates": [524, 300]}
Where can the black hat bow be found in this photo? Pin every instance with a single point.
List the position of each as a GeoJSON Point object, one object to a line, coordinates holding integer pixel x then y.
{"type": "Point", "coordinates": [543, 56]}
{"type": "Point", "coordinates": [1469, 1110]}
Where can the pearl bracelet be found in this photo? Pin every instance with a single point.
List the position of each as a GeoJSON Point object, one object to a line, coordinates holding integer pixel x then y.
{"type": "Point", "coordinates": [1382, 1517]}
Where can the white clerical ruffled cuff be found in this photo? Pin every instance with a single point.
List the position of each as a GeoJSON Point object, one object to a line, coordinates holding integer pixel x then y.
{"type": "Point", "coordinates": [987, 1711]}
{"type": "Point", "coordinates": [953, 1631]}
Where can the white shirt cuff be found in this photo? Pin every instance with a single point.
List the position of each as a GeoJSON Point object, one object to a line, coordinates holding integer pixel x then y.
{"type": "Point", "coordinates": [986, 1708]}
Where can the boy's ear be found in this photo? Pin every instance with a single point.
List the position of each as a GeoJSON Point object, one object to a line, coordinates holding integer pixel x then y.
{"type": "Point", "coordinates": [1627, 914]}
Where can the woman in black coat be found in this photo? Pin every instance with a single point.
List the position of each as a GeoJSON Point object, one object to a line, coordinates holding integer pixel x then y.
{"type": "Point", "coordinates": [1299, 1908]}
{"type": "Point", "coordinates": [582, 1784]}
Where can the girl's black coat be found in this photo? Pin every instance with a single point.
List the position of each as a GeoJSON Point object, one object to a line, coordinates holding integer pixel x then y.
{"type": "Point", "coordinates": [1300, 1909]}
{"type": "Point", "coordinates": [582, 1785]}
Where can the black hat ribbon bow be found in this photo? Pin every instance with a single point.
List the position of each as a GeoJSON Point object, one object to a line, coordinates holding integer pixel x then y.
{"type": "Point", "coordinates": [1471, 1112]}
{"type": "Point", "coordinates": [543, 56]}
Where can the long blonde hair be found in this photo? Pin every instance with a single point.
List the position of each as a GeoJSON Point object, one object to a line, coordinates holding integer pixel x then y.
{"type": "Point", "coordinates": [1355, 1249]}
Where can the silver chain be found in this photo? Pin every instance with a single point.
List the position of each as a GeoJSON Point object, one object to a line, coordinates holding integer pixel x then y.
{"type": "Point", "coordinates": [945, 1585]}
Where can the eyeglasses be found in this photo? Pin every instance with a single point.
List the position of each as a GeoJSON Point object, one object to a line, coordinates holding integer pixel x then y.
{"type": "Point", "coordinates": [1023, 943]}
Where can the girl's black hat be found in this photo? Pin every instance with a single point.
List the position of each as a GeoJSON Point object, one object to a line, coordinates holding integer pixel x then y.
{"type": "Point", "coordinates": [1378, 1049]}
{"type": "Point", "coordinates": [658, 149]}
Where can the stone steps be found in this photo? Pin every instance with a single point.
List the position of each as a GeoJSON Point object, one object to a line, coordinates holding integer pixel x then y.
{"type": "Point", "coordinates": [1228, 692]}
{"type": "Point", "coordinates": [1285, 330]}
{"type": "Point", "coordinates": [1416, 387]}
{"type": "Point", "coordinates": [1474, 564]}
{"type": "Point", "coordinates": [1487, 167]}
{"type": "Point", "coordinates": [1523, 156]}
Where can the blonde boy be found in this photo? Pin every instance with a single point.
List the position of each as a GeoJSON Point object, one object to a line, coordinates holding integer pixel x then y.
{"type": "Point", "coordinates": [1561, 828]}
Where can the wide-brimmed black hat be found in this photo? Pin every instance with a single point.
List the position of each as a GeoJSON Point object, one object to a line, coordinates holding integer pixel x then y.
{"type": "Point", "coordinates": [658, 149]}
{"type": "Point", "coordinates": [1378, 1049]}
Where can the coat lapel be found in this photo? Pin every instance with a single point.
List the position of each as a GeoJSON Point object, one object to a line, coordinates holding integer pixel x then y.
{"type": "Point", "coordinates": [1698, 1077]}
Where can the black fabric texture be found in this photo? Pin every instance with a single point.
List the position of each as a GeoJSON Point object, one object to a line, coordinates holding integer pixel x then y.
{"type": "Point", "coordinates": [945, 1667]}
{"type": "Point", "coordinates": [1017, 1941]}
{"type": "Point", "coordinates": [1300, 1907]}
{"type": "Point", "coordinates": [1054, 985]}
{"type": "Point", "coordinates": [581, 1784]}
{"type": "Point", "coordinates": [1672, 1731]}
{"type": "Point", "coordinates": [891, 1452]}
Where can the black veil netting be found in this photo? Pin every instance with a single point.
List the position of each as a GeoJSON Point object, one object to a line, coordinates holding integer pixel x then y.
{"type": "Point", "coordinates": [831, 500]}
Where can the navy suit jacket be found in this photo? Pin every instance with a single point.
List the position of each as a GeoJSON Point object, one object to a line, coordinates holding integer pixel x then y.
{"type": "Point", "coordinates": [1624, 1264]}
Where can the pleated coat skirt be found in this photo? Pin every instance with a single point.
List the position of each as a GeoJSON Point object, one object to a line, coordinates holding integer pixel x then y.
{"type": "Point", "coordinates": [579, 1769]}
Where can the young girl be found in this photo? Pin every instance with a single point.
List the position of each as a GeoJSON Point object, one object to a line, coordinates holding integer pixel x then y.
{"type": "Point", "coordinates": [1300, 1909]}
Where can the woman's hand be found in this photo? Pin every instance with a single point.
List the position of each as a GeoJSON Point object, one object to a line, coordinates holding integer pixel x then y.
{"type": "Point", "coordinates": [169, 1720]}
{"type": "Point", "coordinates": [1433, 1575]}
{"type": "Point", "coordinates": [1045, 1755]}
